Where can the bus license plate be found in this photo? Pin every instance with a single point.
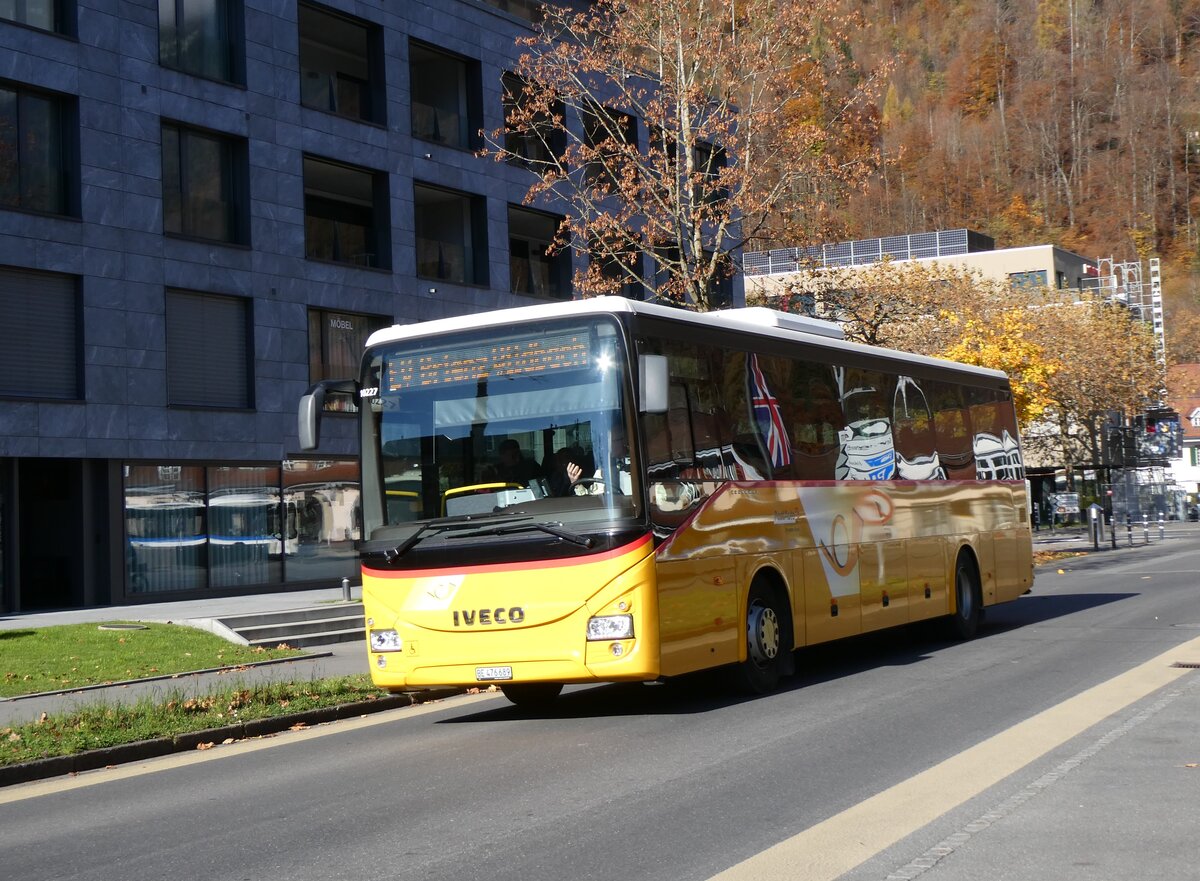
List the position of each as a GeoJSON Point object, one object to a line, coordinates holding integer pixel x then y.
{"type": "Point", "coordinates": [492, 674]}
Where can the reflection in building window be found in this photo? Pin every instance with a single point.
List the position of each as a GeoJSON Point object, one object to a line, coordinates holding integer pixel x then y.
{"type": "Point", "coordinates": [245, 526]}
{"type": "Point", "coordinates": [165, 528]}
{"type": "Point", "coordinates": [190, 527]}
{"type": "Point", "coordinates": [323, 518]}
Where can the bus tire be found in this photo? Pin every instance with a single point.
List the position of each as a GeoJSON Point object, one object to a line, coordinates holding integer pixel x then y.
{"type": "Point", "coordinates": [968, 600]}
{"type": "Point", "coordinates": [532, 695]}
{"type": "Point", "coordinates": [767, 650]}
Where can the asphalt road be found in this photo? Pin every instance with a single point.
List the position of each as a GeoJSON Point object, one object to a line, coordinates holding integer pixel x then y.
{"type": "Point", "coordinates": [1057, 744]}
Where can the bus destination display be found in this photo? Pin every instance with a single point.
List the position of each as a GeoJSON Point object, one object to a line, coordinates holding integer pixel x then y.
{"type": "Point", "coordinates": [512, 357]}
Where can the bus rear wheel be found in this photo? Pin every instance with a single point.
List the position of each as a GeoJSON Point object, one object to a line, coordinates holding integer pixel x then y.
{"type": "Point", "coordinates": [532, 695]}
{"type": "Point", "coordinates": [968, 600]}
{"type": "Point", "coordinates": [765, 643]}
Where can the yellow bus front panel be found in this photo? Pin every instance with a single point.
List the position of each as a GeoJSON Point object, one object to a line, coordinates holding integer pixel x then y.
{"type": "Point", "coordinates": [525, 622]}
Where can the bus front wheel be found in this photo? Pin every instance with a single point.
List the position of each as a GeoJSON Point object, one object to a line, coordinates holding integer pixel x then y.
{"type": "Point", "coordinates": [968, 600]}
{"type": "Point", "coordinates": [532, 695]}
{"type": "Point", "coordinates": [765, 642]}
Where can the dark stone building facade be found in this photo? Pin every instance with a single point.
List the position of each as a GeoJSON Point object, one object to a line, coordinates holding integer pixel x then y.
{"type": "Point", "coordinates": [205, 205]}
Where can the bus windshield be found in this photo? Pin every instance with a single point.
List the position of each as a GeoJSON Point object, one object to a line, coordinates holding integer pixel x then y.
{"type": "Point", "coordinates": [525, 422]}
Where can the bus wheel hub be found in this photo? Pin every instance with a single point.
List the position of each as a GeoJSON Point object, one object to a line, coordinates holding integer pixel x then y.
{"type": "Point", "coordinates": [763, 627]}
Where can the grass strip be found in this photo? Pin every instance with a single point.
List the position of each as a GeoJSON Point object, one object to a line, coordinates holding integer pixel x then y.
{"type": "Point", "coordinates": [105, 724]}
{"type": "Point", "coordinates": [75, 655]}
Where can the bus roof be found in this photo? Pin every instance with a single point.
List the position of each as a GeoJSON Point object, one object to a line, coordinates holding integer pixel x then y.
{"type": "Point", "coordinates": [755, 320]}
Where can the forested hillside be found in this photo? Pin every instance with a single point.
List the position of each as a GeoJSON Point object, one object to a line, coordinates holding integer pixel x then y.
{"type": "Point", "coordinates": [1063, 121]}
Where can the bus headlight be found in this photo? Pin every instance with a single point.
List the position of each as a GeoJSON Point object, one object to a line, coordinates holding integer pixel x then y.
{"type": "Point", "coordinates": [610, 627]}
{"type": "Point", "coordinates": [386, 641]}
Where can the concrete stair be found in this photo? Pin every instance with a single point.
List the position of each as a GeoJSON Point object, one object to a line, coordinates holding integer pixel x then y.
{"type": "Point", "coordinates": [299, 628]}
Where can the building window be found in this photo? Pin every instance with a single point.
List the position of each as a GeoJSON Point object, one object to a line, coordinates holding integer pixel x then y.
{"type": "Point", "coordinates": [39, 335]}
{"type": "Point", "coordinates": [451, 235]}
{"type": "Point", "coordinates": [209, 355]}
{"type": "Point", "coordinates": [37, 149]}
{"type": "Point", "coordinates": [534, 269]}
{"type": "Point", "coordinates": [345, 214]}
{"type": "Point", "coordinates": [535, 141]}
{"type": "Point", "coordinates": [625, 271]}
{"type": "Point", "coordinates": [529, 10]}
{"type": "Point", "coordinates": [165, 527]}
{"type": "Point", "coordinates": [720, 286]}
{"type": "Point", "coordinates": [446, 102]}
{"type": "Point", "coordinates": [190, 527]}
{"type": "Point", "coordinates": [46, 15]}
{"type": "Point", "coordinates": [708, 161]}
{"type": "Point", "coordinates": [1034, 278]}
{"type": "Point", "coordinates": [610, 134]}
{"type": "Point", "coordinates": [204, 185]}
{"type": "Point", "coordinates": [322, 519]}
{"type": "Point", "coordinates": [335, 346]}
{"type": "Point", "coordinates": [340, 64]}
{"type": "Point", "coordinates": [202, 37]}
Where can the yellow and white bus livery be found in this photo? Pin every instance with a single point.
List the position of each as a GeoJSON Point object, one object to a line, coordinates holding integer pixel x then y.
{"type": "Point", "coordinates": [605, 490]}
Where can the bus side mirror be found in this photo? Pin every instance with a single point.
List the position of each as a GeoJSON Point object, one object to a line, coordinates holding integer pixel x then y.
{"type": "Point", "coordinates": [312, 404]}
{"type": "Point", "coordinates": [653, 383]}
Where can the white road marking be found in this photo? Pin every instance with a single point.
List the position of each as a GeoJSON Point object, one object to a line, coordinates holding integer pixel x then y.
{"type": "Point", "coordinates": [835, 846]}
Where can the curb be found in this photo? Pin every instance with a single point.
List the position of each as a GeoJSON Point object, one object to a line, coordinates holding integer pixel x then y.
{"type": "Point", "coordinates": [106, 757]}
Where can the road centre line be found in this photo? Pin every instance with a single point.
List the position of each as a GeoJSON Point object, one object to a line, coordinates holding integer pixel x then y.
{"type": "Point", "coordinates": [835, 846]}
{"type": "Point", "coordinates": [21, 792]}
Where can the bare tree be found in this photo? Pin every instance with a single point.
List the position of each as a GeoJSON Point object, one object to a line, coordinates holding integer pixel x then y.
{"type": "Point", "coordinates": [753, 114]}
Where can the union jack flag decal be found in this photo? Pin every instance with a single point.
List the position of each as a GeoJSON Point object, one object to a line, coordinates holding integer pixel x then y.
{"type": "Point", "coordinates": [767, 418]}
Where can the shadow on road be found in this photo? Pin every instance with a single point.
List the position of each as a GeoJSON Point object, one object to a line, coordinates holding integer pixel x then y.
{"type": "Point", "coordinates": [711, 690]}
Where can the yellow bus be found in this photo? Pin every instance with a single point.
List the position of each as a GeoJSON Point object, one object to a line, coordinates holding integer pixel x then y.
{"type": "Point", "coordinates": [606, 490]}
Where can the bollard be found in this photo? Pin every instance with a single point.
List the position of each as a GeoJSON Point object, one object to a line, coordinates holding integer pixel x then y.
{"type": "Point", "coordinates": [1146, 528]}
{"type": "Point", "coordinates": [1112, 532]}
{"type": "Point", "coordinates": [1162, 528]}
{"type": "Point", "coordinates": [1129, 527]}
{"type": "Point", "coordinates": [346, 590]}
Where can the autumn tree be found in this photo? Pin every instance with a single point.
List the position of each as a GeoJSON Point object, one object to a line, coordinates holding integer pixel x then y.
{"type": "Point", "coordinates": [673, 132]}
{"type": "Point", "coordinates": [1106, 362]}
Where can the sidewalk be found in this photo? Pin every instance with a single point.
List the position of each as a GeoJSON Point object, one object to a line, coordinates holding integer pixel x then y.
{"type": "Point", "coordinates": [1079, 538]}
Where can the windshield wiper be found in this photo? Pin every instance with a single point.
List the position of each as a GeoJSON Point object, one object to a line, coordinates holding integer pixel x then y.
{"type": "Point", "coordinates": [555, 529]}
{"type": "Point", "coordinates": [434, 527]}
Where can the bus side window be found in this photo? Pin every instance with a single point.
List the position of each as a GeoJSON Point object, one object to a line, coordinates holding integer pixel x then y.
{"type": "Point", "coordinates": [912, 425]}
{"type": "Point", "coordinates": [815, 417]}
{"type": "Point", "coordinates": [952, 428]}
{"type": "Point", "coordinates": [994, 435]}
